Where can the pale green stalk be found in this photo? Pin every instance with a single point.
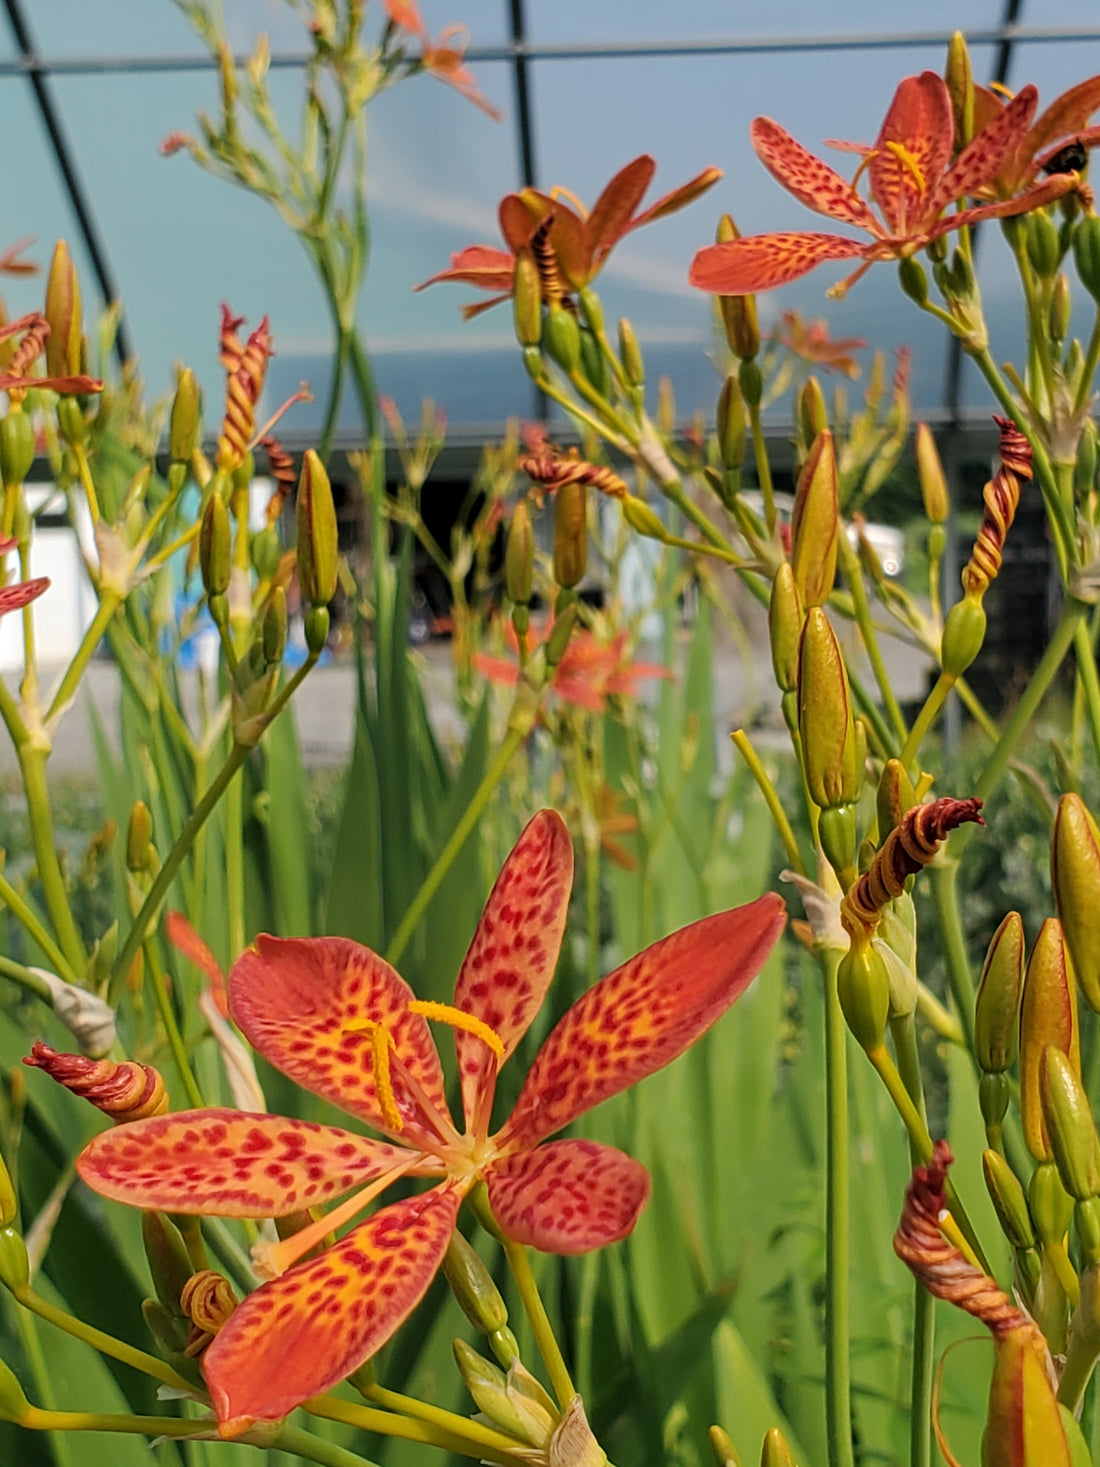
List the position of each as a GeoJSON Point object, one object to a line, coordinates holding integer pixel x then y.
{"type": "Point", "coordinates": [66, 691]}
{"type": "Point", "coordinates": [28, 918]}
{"type": "Point", "coordinates": [1087, 678]}
{"type": "Point", "coordinates": [771, 798]}
{"type": "Point", "coordinates": [838, 1288]}
{"type": "Point", "coordinates": [904, 1031]}
{"type": "Point", "coordinates": [171, 1027]}
{"type": "Point", "coordinates": [474, 1440]}
{"type": "Point", "coordinates": [543, 1331]}
{"type": "Point", "coordinates": [32, 761]}
{"type": "Point", "coordinates": [763, 465]}
{"type": "Point", "coordinates": [853, 574]}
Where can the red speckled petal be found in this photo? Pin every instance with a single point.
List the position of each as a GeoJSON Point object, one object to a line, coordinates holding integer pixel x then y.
{"type": "Point", "coordinates": [22, 593]}
{"type": "Point", "coordinates": [920, 120]}
{"type": "Point", "coordinates": [511, 959]}
{"type": "Point", "coordinates": [642, 1016]}
{"type": "Point", "coordinates": [228, 1163]}
{"type": "Point", "coordinates": [982, 160]}
{"type": "Point", "coordinates": [567, 1197]}
{"type": "Point", "coordinates": [1065, 117]}
{"type": "Point", "coordinates": [302, 1333]}
{"type": "Point", "coordinates": [299, 1000]}
{"type": "Point", "coordinates": [1035, 197]}
{"type": "Point", "coordinates": [811, 181]}
{"type": "Point", "coordinates": [765, 261]}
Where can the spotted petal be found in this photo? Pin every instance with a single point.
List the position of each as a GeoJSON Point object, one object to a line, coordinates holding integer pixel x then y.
{"type": "Point", "coordinates": [306, 1004]}
{"type": "Point", "coordinates": [228, 1163]}
{"type": "Point", "coordinates": [568, 1197]}
{"type": "Point", "coordinates": [919, 122]}
{"type": "Point", "coordinates": [642, 1016]}
{"type": "Point", "coordinates": [512, 956]}
{"type": "Point", "coordinates": [1065, 117]}
{"type": "Point", "coordinates": [764, 261]}
{"type": "Point", "coordinates": [983, 158]}
{"type": "Point", "coordinates": [302, 1333]}
{"type": "Point", "coordinates": [811, 181]}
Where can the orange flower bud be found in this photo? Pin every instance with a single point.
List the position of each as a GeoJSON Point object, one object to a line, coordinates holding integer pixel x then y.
{"type": "Point", "coordinates": [1048, 1016]}
{"type": "Point", "coordinates": [125, 1091]}
{"type": "Point", "coordinates": [815, 523]}
{"type": "Point", "coordinates": [933, 480]}
{"type": "Point", "coordinates": [1075, 877]}
{"type": "Point", "coordinates": [997, 1007]}
{"type": "Point", "coordinates": [318, 546]}
{"type": "Point", "coordinates": [63, 314]}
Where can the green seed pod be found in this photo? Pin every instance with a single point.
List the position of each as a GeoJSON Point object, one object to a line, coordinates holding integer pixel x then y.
{"type": "Point", "coordinates": [594, 364]}
{"type": "Point", "coordinates": [785, 620]}
{"type": "Point", "coordinates": [488, 1385]}
{"type": "Point", "coordinates": [527, 299]}
{"type": "Point", "coordinates": [630, 354]}
{"type": "Point", "coordinates": [642, 519]}
{"type": "Point", "coordinates": [933, 480]}
{"type": "Point", "coordinates": [776, 1452]}
{"type": "Point", "coordinates": [815, 523]}
{"type": "Point", "coordinates": [914, 279]}
{"type": "Point", "coordinates": [561, 338]}
{"type": "Point", "coordinates": [186, 420]}
{"type": "Point", "coordinates": [997, 1007]}
{"type": "Point", "coordinates": [570, 534]}
{"type": "Point", "coordinates": [275, 627]}
{"type": "Point", "coordinates": [1009, 1202]}
{"type": "Point", "coordinates": [15, 1269]}
{"type": "Point", "coordinates": [473, 1287]}
{"type": "Point", "coordinates": [730, 418]}
{"type": "Point", "coordinates": [994, 1093]}
{"type": "Point", "coordinates": [591, 309]}
{"type": "Point", "coordinates": [960, 88]}
{"type": "Point", "coordinates": [265, 552]}
{"type": "Point", "coordinates": [963, 635]}
{"type": "Point", "coordinates": [1041, 237]}
{"type": "Point", "coordinates": [316, 626]}
{"type": "Point", "coordinates": [1068, 1119]}
{"type": "Point", "coordinates": [318, 546]}
{"type": "Point", "coordinates": [811, 414]}
{"type": "Point", "coordinates": [560, 632]}
{"type": "Point", "coordinates": [63, 355]}
{"type": "Point", "coordinates": [14, 1405]}
{"type": "Point", "coordinates": [1075, 878]}
{"type": "Point", "coordinates": [16, 447]}
{"type": "Point", "coordinates": [169, 1265]}
{"type": "Point", "coordinates": [1048, 1015]}
{"type": "Point", "coordinates": [863, 988]}
{"type": "Point", "coordinates": [139, 837]}
{"type": "Point", "coordinates": [218, 606]}
{"type": "Point", "coordinates": [825, 715]}
{"type": "Point", "coordinates": [1061, 307]}
{"type": "Point", "coordinates": [519, 555]}
{"type": "Point", "coordinates": [1086, 254]}
{"type": "Point", "coordinates": [215, 546]}
{"type": "Point", "coordinates": [751, 381]}
{"type": "Point", "coordinates": [962, 275]}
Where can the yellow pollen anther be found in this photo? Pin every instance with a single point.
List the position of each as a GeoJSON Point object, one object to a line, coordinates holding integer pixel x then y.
{"type": "Point", "coordinates": [1002, 90]}
{"type": "Point", "coordinates": [459, 1019]}
{"type": "Point", "coordinates": [381, 1042]}
{"type": "Point", "coordinates": [908, 162]}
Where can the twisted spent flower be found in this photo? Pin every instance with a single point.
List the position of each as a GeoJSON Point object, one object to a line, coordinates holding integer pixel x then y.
{"type": "Point", "coordinates": [339, 1020]}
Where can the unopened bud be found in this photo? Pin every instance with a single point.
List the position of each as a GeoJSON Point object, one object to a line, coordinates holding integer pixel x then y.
{"type": "Point", "coordinates": [933, 480]}
{"type": "Point", "coordinates": [318, 548]}
{"type": "Point", "coordinates": [963, 635]}
{"type": "Point", "coordinates": [488, 1385]}
{"type": "Point", "coordinates": [1061, 307]}
{"type": "Point", "coordinates": [139, 837]}
{"type": "Point", "coordinates": [1023, 1425]}
{"type": "Point", "coordinates": [721, 1444]}
{"type": "Point", "coordinates": [570, 534]}
{"type": "Point", "coordinates": [738, 311]}
{"type": "Point", "coordinates": [316, 624]}
{"type": "Point", "coordinates": [894, 796]}
{"type": "Point", "coordinates": [169, 1264]}
{"type": "Point", "coordinates": [594, 364]}
{"type": "Point", "coordinates": [815, 523]}
{"type": "Point", "coordinates": [560, 633]}
{"type": "Point", "coordinates": [751, 381]}
{"type": "Point", "coordinates": [473, 1287]}
{"type": "Point", "coordinates": [785, 619]}
{"type": "Point", "coordinates": [9, 1204]}
{"type": "Point", "coordinates": [630, 354]}
{"type": "Point", "coordinates": [914, 280]}
{"type": "Point", "coordinates": [1048, 1016]}
{"type": "Point", "coordinates": [997, 1007]}
{"type": "Point", "coordinates": [960, 88]}
{"type": "Point", "coordinates": [1084, 468]}
{"type": "Point", "coordinates": [63, 313]}
{"type": "Point", "coordinates": [863, 987]}
{"type": "Point", "coordinates": [1041, 238]}
{"type": "Point", "coordinates": [265, 552]}
{"type": "Point", "coordinates": [215, 546]}
{"type": "Point", "coordinates": [275, 627]}
{"type": "Point", "coordinates": [519, 555]}
{"type": "Point", "coordinates": [15, 1267]}
{"type": "Point", "coordinates": [825, 715]}
{"type": "Point", "coordinates": [731, 424]}
{"type": "Point", "coordinates": [1086, 254]}
{"type": "Point", "coordinates": [16, 446]}
{"type": "Point", "coordinates": [1050, 1204]}
{"type": "Point", "coordinates": [1068, 1119]}
{"type": "Point", "coordinates": [527, 299]}
{"type": "Point", "coordinates": [186, 419]}
{"type": "Point", "coordinates": [775, 1451]}
{"type": "Point", "coordinates": [561, 338]}
{"type": "Point", "coordinates": [812, 416]}
{"type": "Point", "coordinates": [1009, 1202]}
{"type": "Point", "coordinates": [1075, 878]}
{"type": "Point", "coordinates": [642, 519]}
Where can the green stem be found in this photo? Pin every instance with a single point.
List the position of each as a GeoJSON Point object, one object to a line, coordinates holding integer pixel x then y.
{"type": "Point", "coordinates": [171, 1027]}
{"type": "Point", "coordinates": [904, 1031]}
{"type": "Point", "coordinates": [973, 706]}
{"type": "Point", "coordinates": [1088, 372]}
{"type": "Point", "coordinates": [37, 1419]}
{"type": "Point", "coordinates": [423, 1411]}
{"type": "Point", "coordinates": [1089, 681]}
{"type": "Point", "coordinates": [943, 875]}
{"type": "Point", "coordinates": [29, 919]}
{"type": "Point", "coordinates": [545, 1339]}
{"type": "Point", "coordinates": [234, 863]}
{"type": "Point", "coordinates": [32, 761]}
{"type": "Point", "coordinates": [447, 856]}
{"type": "Point", "coordinates": [1082, 1353]}
{"type": "Point", "coordinates": [763, 466]}
{"type": "Point", "coordinates": [26, 979]}
{"type": "Point", "coordinates": [592, 906]}
{"type": "Point", "coordinates": [771, 798]}
{"type": "Point", "coordinates": [301, 1443]}
{"type": "Point", "coordinates": [838, 1365]}
{"type": "Point", "coordinates": [926, 717]}
{"type": "Point", "coordinates": [474, 1441]}
{"type": "Point", "coordinates": [108, 605]}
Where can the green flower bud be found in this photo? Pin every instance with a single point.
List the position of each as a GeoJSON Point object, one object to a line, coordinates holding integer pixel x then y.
{"type": "Point", "coordinates": [215, 546]}
{"type": "Point", "coordinates": [561, 338]}
{"type": "Point", "coordinates": [266, 551]}
{"type": "Point", "coordinates": [731, 424]}
{"type": "Point", "coordinates": [1050, 1204]}
{"type": "Point", "coordinates": [591, 309]}
{"type": "Point", "coordinates": [218, 605]}
{"type": "Point", "coordinates": [960, 88]}
{"type": "Point", "coordinates": [594, 364]}
{"type": "Point", "coordinates": [519, 555]}
{"type": "Point", "coordinates": [318, 547]}
{"type": "Point", "coordinates": [630, 354]}
{"type": "Point", "coordinates": [15, 1269]}
{"type": "Point", "coordinates": [16, 447]}
{"type": "Point", "coordinates": [1086, 254]}
{"type": "Point", "coordinates": [894, 796]}
{"type": "Point", "coordinates": [473, 1287]}
{"type": "Point", "coordinates": [642, 519]}
{"type": "Point", "coordinates": [863, 987]}
{"type": "Point", "coordinates": [815, 523]}
{"type": "Point", "coordinates": [560, 632]}
{"type": "Point", "coordinates": [527, 299]}
{"type": "Point", "coordinates": [1009, 1202]}
{"type": "Point", "coordinates": [169, 1331]}
{"type": "Point", "coordinates": [825, 715]}
{"type": "Point", "coordinates": [488, 1385]}
{"type": "Point", "coordinates": [776, 1452]}
{"type": "Point", "coordinates": [570, 534]}
{"type": "Point", "coordinates": [738, 311]}
{"type": "Point", "coordinates": [913, 279]}
{"type": "Point", "coordinates": [316, 626]}
{"type": "Point", "coordinates": [997, 1007]}
{"type": "Point", "coordinates": [63, 356]}
{"type": "Point", "coordinates": [1023, 1425]}
{"type": "Point", "coordinates": [1084, 469]}
{"type": "Point", "coordinates": [836, 830]}
{"type": "Point", "coordinates": [994, 1093]}
{"type": "Point", "coordinates": [169, 1264]}
{"type": "Point", "coordinates": [962, 275]}
{"type": "Point", "coordinates": [274, 627]}
{"type": "Point", "coordinates": [963, 635]}
{"type": "Point", "coordinates": [1068, 1119]}
{"type": "Point", "coordinates": [1075, 878]}
{"type": "Point", "coordinates": [1086, 1219]}
{"type": "Point", "coordinates": [751, 381]}
{"type": "Point", "coordinates": [811, 414]}
{"type": "Point", "coordinates": [1048, 1016]}
{"type": "Point", "coordinates": [14, 1405]}
{"type": "Point", "coordinates": [532, 363]}
{"type": "Point", "coordinates": [785, 619]}
{"type": "Point", "coordinates": [139, 837]}
{"type": "Point", "coordinates": [186, 420]}
{"type": "Point", "coordinates": [1061, 307]}
{"type": "Point", "coordinates": [504, 1345]}
{"type": "Point", "coordinates": [1041, 240]}
{"type": "Point", "coordinates": [933, 480]}
{"type": "Point", "coordinates": [725, 1453]}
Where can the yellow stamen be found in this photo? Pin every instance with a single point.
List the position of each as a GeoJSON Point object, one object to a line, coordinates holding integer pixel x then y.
{"type": "Point", "coordinates": [269, 1260]}
{"type": "Point", "coordinates": [458, 1019]}
{"type": "Point", "coordinates": [858, 174]}
{"type": "Point", "coordinates": [559, 191]}
{"type": "Point", "coordinates": [1002, 90]}
{"type": "Point", "coordinates": [908, 162]}
{"type": "Point", "coordinates": [381, 1042]}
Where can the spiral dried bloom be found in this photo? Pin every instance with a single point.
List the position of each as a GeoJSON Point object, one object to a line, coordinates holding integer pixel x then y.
{"type": "Point", "coordinates": [281, 467]}
{"type": "Point", "coordinates": [1001, 496]}
{"type": "Point", "coordinates": [911, 845]}
{"type": "Point", "coordinates": [31, 347]}
{"type": "Point", "coordinates": [550, 281]}
{"type": "Point", "coordinates": [123, 1090]}
{"type": "Point", "coordinates": [208, 1300]}
{"type": "Point", "coordinates": [245, 366]}
{"type": "Point", "coordinates": [553, 469]}
{"type": "Point", "coordinates": [939, 1265]}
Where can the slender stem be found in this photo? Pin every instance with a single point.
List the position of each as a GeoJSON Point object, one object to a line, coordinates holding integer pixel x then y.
{"type": "Point", "coordinates": [37, 1419]}
{"type": "Point", "coordinates": [926, 717]}
{"type": "Point", "coordinates": [423, 1411]}
{"type": "Point", "coordinates": [1089, 681]}
{"type": "Point", "coordinates": [474, 1441]}
{"type": "Point", "coordinates": [26, 979]}
{"type": "Point", "coordinates": [973, 706]}
{"type": "Point", "coordinates": [763, 465]}
{"type": "Point", "coordinates": [315, 1449]}
{"type": "Point", "coordinates": [592, 906]}
{"type": "Point", "coordinates": [234, 863]}
{"type": "Point", "coordinates": [1082, 1352]}
{"type": "Point", "coordinates": [63, 1449]}
{"type": "Point", "coordinates": [943, 874]}
{"type": "Point", "coordinates": [771, 798]}
{"type": "Point", "coordinates": [66, 691]}
{"type": "Point", "coordinates": [25, 914]}
{"type": "Point", "coordinates": [1088, 372]}
{"type": "Point", "coordinates": [543, 1330]}
{"type": "Point", "coordinates": [171, 1027]}
{"type": "Point", "coordinates": [904, 1031]}
{"type": "Point", "coordinates": [838, 1364]}
{"type": "Point", "coordinates": [86, 480]}
{"type": "Point", "coordinates": [448, 855]}
{"type": "Point", "coordinates": [32, 761]}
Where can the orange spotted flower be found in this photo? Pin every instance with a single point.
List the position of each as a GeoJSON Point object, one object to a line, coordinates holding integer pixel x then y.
{"type": "Point", "coordinates": [590, 671]}
{"type": "Point", "coordinates": [443, 58]}
{"type": "Point", "coordinates": [336, 1018]}
{"type": "Point", "coordinates": [578, 242]}
{"type": "Point", "coordinates": [1057, 141]}
{"type": "Point", "coordinates": [914, 180]}
{"type": "Point", "coordinates": [810, 340]}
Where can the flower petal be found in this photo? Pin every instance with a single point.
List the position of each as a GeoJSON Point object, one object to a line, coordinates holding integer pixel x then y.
{"type": "Point", "coordinates": [1035, 197]}
{"type": "Point", "coordinates": [642, 1016]}
{"type": "Point", "coordinates": [920, 121]}
{"type": "Point", "coordinates": [569, 240]}
{"type": "Point", "coordinates": [764, 261]}
{"type": "Point", "coordinates": [511, 959]}
{"type": "Point", "coordinates": [517, 224]}
{"type": "Point", "coordinates": [305, 1002]}
{"type": "Point", "coordinates": [1065, 116]}
{"type": "Point", "coordinates": [983, 158]}
{"type": "Point", "coordinates": [228, 1163]}
{"type": "Point", "coordinates": [302, 1333]}
{"type": "Point", "coordinates": [811, 181]}
{"type": "Point", "coordinates": [678, 198]}
{"type": "Point", "coordinates": [22, 593]}
{"type": "Point", "coordinates": [568, 1196]}
{"type": "Point", "coordinates": [481, 265]}
{"type": "Point", "coordinates": [614, 209]}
